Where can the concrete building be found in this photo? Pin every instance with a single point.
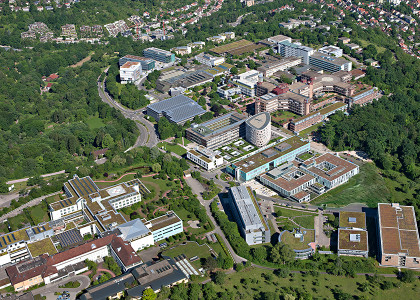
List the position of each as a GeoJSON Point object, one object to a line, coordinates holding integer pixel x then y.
{"type": "Point", "coordinates": [352, 234]}
{"type": "Point", "coordinates": [205, 158]}
{"type": "Point", "coordinates": [209, 60]}
{"type": "Point", "coordinates": [251, 223]}
{"type": "Point", "coordinates": [287, 49]}
{"type": "Point", "coordinates": [147, 64]}
{"type": "Point", "coordinates": [279, 38]}
{"type": "Point", "coordinates": [228, 92]}
{"type": "Point", "coordinates": [247, 81]}
{"type": "Point", "coordinates": [331, 51]}
{"type": "Point", "coordinates": [182, 50]}
{"type": "Point", "coordinates": [329, 63]}
{"type": "Point", "coordinates": [219, 131]}
{"type": "Point", "coordinates": [258, 129]}
{"type": "Point", "coordinates": [263, 88]}
{"type": "Point", "coordinates": [159, 55]}
{"type": "Point", "coordinates": [130, 72]}
{"type": "Point", "coordinates": [399, 243]}
{"type": "Point", "coordinates": [137, 234]}
{"type": "Point", "coordinates": [165, 226]}
{"type": "Point", "coordinates": [268, 158]}
{"type": "Point", "coordinates": [271, 67]}
{"type": "Point", "coordinates": [178, 109]}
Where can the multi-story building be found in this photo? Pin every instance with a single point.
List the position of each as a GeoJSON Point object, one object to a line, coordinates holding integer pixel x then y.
{"type": "Point", "coordinates": [182, 50]}
{"type": "Point", "coordinates": [352, 234]}
{"type": "Point", "coordinates": [258, 129]}
{"type": "Point", "coordinates": [218, 132]}
{"type": "Point", "coordinates": [362, 95]}
{"type": "Point", "coordinates": [331, 50]}
{"type": "Point", "coordinates": [178, 109]}
{"type": "Point", "coordinates": [269, 68]}
{"type": "Point", "coordinates": [247, 81]}
{"type": "Point", "coordinates": [159, 55]}
{"type": "Point", "coordinates": [279, 38]}
{"type": "Point", "coordinates": [137, 234]}
{"type": "Point", "coordinates": [130, 72]}
{"type": "Point", "coordinates": [164, 226]}
{"type": "Point", "coordinates": [399, 243]}
{"type": "Point", "coordinates": [263, 88]}
{"type": "Point", "coordinates": [209, 60]}
{"type": "Point", "coordinates": [329, 63]}
{"type": "Point", "coordinates": [287, 49]}
{"type": "Point", "coordinates": [147, 64]}
{"type": "Point", "coordinates": [251, 222]}
{"type": "Point", "coordinates": [267, 159]}
{"type": "Point", "coordinates": [205, 158]}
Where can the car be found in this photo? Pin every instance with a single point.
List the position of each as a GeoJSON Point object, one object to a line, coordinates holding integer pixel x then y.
{"type": "Point", "coordinates": [163, 245]}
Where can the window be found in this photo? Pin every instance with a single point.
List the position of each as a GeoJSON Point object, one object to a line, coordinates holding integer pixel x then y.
{"type": "Point", "coordinates": [387, 258]}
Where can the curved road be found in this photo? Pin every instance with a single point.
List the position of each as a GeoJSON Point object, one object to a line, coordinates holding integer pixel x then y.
{"type": "Point", "coordinates": [50, 289]}
{"type": "Point", "coordinates": [148, 136]}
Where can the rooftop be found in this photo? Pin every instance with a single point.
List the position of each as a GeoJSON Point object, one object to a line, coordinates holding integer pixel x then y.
{"type": "Point", "coordinates": [131, 65]}
{"type": "Point", "coordinates": [163, 221]}
{"type": "Point", "coordinates": [41, 247]}
{"type": "Point", "coordinates": [330, 166]}
{"type": "Point", "coordinates": [351, 239]}
{"type": "Point", "coordinates": [260, 121]}
{"type": "Point", "coordinates": [350, 219]}
{"type": "Point", "coordinates": [288, 177]}
{"type": "Point", "coordinates": [133, 229]}
{"type": "Point", "coordinates": [218, 125]}
{"type": "Point", "coordinates": [338, 61]}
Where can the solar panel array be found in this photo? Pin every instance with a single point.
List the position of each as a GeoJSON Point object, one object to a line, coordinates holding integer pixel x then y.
{"type": "Point", "coordinates": [7, 239]}
{"type": "Point", "coordinates": [69, 238]}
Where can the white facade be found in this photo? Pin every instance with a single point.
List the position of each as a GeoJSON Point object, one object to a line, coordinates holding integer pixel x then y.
{"type": "Point", "coordinates": [60, 213]}
{"type": "Point", "coordinates": [143, 242]}
{"type": "Point", "coordinates": [205, 158]}
{"type": "Point", "coordinates": [130, 72]}
{"type": "Point", "coordinates": [209, 60]}
{"type": "Point", "coordinates": [182, 50]}
{"type": "Point", "coordinates": [332, 50]}
{"type": "Point", "coordinates": [94, 255]}
{"type": "Point", "coordinates": [247, 81]}
{"type": "Point", "coordinates": [287, 49]}
{"type": "Point", "coordinates": [258, 129]}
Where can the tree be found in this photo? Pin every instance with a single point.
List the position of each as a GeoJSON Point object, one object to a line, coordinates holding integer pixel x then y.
{"type": "Point", "coordinates": [107, 141]}
{"type": "Point", "coordinates": [149, 294]}
{"type": "Point", "coordinates": [407, 276]}
{"type": "Point", "coordinates": [210, 264]}
{"type": "Point", "coordinates": [156, 167]}
{"type": "Point", "coordinates": [282, 253]}
{"type": "Point", "coordinates": [259, 254]}
{"type": "Point", "coordinates": [219, 277]}
{"type": "Point", "coordinates": [234, 70]}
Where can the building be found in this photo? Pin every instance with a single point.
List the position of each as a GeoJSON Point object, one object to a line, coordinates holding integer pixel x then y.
{"type": "Point", "coordinates": [251, 223]}
{"type": "Point", "coordinates": [228, 92]}
{"type": "Point", "coordinates": [279, 38]}
{"type": "Point", "coordinates": [268, 69]}
{"type": "Point", "coordinates": [147, 64]}
{"type": "Point", "coordinates": [352, 234]}
{"type": "Point", "coordinates": [268, 158]}
{"type": "Point", "coordinates": [331, 51]}
{"type": "Point", "coordinates": [287, 49]}
{"type": "Point", "coordinates": [258, 129]}
{"type": "Point", "coordinates": [289, 181]}
{"type": "Point", "coordinates": [219, 131]}
{"type": "Point", "coordinates": [219, 70]}
{"type": "Point", "coordinates": [159, 55]}
{"type": "Point", "coordinates": [182, 50]}
{"type": "Point", "coordinates": [362, 95]}
{"type": "Point", "coordinates": [209, 60]}
{"type": "Point", "coordinates": [137, 234]}
{"type": "Point", "coordinates": [182, 78]}
{"type": "Point", "coordinates": [263, 88]}
{"type": "Point", "coordinates": [399, 243]}
{"type": "Point", "coordinates": [130, 72]}
{"type": "Point", "coordinates": [164, 226]}
{"type": "Point", "coordinates": [329, 63]}
{"type": "Point", "coordinates": [268, 103]}
{"type": "Point", "coordinates": [178, 109]}
{"type": "Point", "coordinates": [205, 158]}
{"type": "Point", "coordinates": [124, 254]}
{"type": "Point", "coordinates": [247, 81]}
{"type": "Point", "coordinates": [344, 39]}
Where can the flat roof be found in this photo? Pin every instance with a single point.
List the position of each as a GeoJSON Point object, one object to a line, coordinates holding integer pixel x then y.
{"type": "Point", "coordinates": [160, 222]}
{"type": "Point", "coordinates": [398, 228]}
{"type": "Point", "coordinates": [288, 177]}
{"type": "Point", "coordinates": [178, 108]}
{"type": "Point", "coordinates": [352, 219]}
{"type": "Point", "coordinates": [351, 239]}
{"type": "Point", "coordinates": [338, 61]}
{"type": "Point", "coordinates": [260, 120]}
{"type": "Point", "coordinates": [218, 125]}
{"type": "Point", "coordinates": [13, 237]}
{"type": "Point", "coordinates": [330, 166]}
{"type": "Point", "coordinates": [278, 150]}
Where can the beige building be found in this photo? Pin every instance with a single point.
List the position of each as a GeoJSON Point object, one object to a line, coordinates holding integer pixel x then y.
{"type": "Point", "coordinates": [258, 129]}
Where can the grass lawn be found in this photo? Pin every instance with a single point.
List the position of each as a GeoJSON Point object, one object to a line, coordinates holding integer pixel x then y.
{"type": "Point", "coordinates": [305, 221]}
{"type": "Point", "coordinates": [250, 284]}
{"type": "Point", "coordinates": [53, 199]}
{"type": "Point", "coordinates": [366, 187]}
{"type": "Point", "coordinates": [364, 43]}
{"type": "Point", "coordinates": [296, 243]}
{"type": "Point", "coordinates": [286, 212]}
{"type": "Point", "coordinates": [38, 214]}
{"type": "Point", "coordinates": [172, 148]}
{"type": "Point", "coordinates": [107, 184]}
{"type": "Point", "coordinates": [190, 249]}
{"type": "Point", "coordinates": [308, 130]}
{"type": "Point", "coordinates": [95, 122]}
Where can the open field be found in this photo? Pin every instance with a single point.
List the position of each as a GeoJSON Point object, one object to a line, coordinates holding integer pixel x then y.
{"type": "Point", "coordinates": [287, 212]}
{"type": "Point", "coordinates": [177, 149]}
{"type": "Point", "coordinates": [309, 130]}
{"type": "Point", "coordinates": [366, 187]}
{"type": "Point", "coordinates": [190, 249]}
{"type": "Point", "coordinates": [95, 122]}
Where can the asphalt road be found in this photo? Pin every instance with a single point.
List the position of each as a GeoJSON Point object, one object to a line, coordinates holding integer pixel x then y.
{"type": "Point", "coordinates": [50, 289]}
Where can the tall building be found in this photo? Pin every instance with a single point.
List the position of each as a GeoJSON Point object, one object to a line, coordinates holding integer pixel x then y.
{"type": "Point", "coordinates": [286, 49]}
{"type": "Point", "coordinates": [329, 63]}
{"type": "Point", "coordinates": [147, 64]}
{"type": "Point", "coordinates": [251, 222]}
{"type": "Point", "coordinates": [159, 55]}
{"type": "Point", "coordinates": [258, 129]}
{"type": "Point", "coordinates": [247, 82]}
{"type": "Point", "coordinates": [130, 72]}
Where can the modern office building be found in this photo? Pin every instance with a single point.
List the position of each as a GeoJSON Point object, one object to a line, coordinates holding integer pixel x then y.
{"type": "Point", "coordinates": [329, 63]}
{"type": "Point", "coordinates": [271, 67]}
{"type": "Point", "coordinates": [159, 55]}
{"type": "Point", "coordinates": [263, 88]}
{"type": "Point", "coordinates": [352, 234]}
{"type": "Point", "coordinates": [205, 158]}
{"type": "Point", "coordinates": [251, 222]}
{"type": "Point", "coordinates": [219, 131]}
{"type": "Point", "coordinates": [247, 82]}
{"type": "Point", "coordinates": [164, 226]}
{"type": "Point", "coordinates": [331, 51]}
{"type": "Point", "coordinates": [287, 49]}
{"type": "Point", "coordinates": [258, 129]}
{"type": "Point", "coordinates": [178, 109]}
{"type": "Point", "coordinates": [268, 158]}
{"type": "Point", "coordinates": [130, 72]}
{"type": "Point", "coordinates": [209, 60]}
{"type": "Point", "coordinates": [147, 64]}
{"type": "Point", "coordinates": [399, 243]}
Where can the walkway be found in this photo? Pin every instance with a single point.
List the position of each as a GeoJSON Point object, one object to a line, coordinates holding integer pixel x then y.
{"type": "Point", "coordinates": [43, 176]}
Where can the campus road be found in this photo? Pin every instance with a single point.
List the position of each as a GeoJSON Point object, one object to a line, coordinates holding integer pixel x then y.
{"type": "Point", "coordinates": [148, 136]}
{"type": "Point", "coordinates": [43, 176]}
{"type": "Point", "coordinates": [50, 289]}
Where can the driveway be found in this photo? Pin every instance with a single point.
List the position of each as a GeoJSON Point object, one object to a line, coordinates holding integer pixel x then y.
{"type": "Point", "coordinates": [320, 237]}
{"type": "Point", "coordinates": [50, 289]}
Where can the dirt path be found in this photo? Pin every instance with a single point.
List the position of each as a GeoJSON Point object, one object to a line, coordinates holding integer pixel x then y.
{"type": "Point", "coordinates": [80, 63]}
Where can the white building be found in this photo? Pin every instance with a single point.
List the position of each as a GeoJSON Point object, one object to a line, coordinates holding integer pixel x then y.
{"type": "Point", "coordinates": [332, 51]}
{"type": "Point", "coordinates": [137, 234]}
{"type": "Point", "coordinates": [286, 49]}
{"type": "Point", "coordinates": [205, 158]}
{"type": "Point", "coordinates": [258, 129]}
{"type": "Point", "coordinates": [165, 226]}
{"type": "Point", "coordinates": [182, 50]}
{"type": "Point", "coordinates": [247, 82]}
{"type": "Point", "coordinates": [209, 60]}
{"type": "Point", "coordinates": [130, 72]}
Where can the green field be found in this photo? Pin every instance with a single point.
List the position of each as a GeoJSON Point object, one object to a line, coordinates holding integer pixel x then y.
{"type": "Point", "coordinates": [364, 43]}
{"type": "Point", "coordinates": [308, 130]}
{"type": "Point", "coordinates": [190, 249]}
{"type": "Point", "coordinates": [253, 284]}
{"type": "Point", "coordinates": [305, 221]}
{"type": "Point", "coordinates": [366, 187]}
{"type": "Point", "coordinates": [295, 243]}
{"type": "Point", "coordinates": [177, 149]}
{"type": "Point", "coordinates": [95, 122]}
{"type": "Point", "coordinates": [107, 184]}
{"type": "Point", "coordinates": [287, 212]}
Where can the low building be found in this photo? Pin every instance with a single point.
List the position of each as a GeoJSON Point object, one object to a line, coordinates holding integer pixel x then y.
{"type": "Point", "coordinates": [205, 158]}
{"type": "Point", "coordinates": [147, 64]}
{"type": "Point", "coordinates": [209, 60]}
{"type": "Point", "coordinates": [251, 223]}
{"type": "Point", "coordinates": [178, 109]}
{"type": "Point", "coordinates": [344, 39]}
{"type": "Point", "coordinates": [331, 51]}
{"type": "Point", "coordinates": [228, 92]}
{"type": "Point", "coordinates": [124, 254]}
{"type": "Point", "coordinates": [329, 63]}
{"type": "Point", "coordinates": [219, 70]}
{"type": "Point", "coordinates": [182, 50]}
{"type": "Point", "coordinates": [263, 88]}
{"type": "Point", "coordinates": [399, 242]}
{"type": "Point", "coordinates": [130, 72]}
{"type": "Point", "coordinates": [219, 131]}
{"type": "Point", "coordinates": [279, 38]}
{"type": "Point", "coordinates": [164, 226]}
{"type": "Point", "coordinates": [301, 241]}
{"type": "Point", "coordinates": [363, 94]}
{"type": "Point", "coordinates": [258, 129]}
{"type": "Point", "coordinates": [352, 234]}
